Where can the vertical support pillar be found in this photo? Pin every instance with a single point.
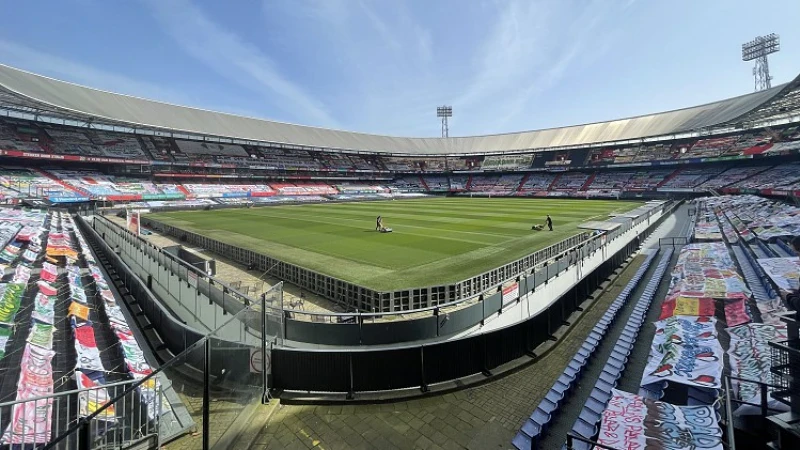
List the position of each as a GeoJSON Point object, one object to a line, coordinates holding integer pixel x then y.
{"type": "Point", "coordinates": [207, 395]}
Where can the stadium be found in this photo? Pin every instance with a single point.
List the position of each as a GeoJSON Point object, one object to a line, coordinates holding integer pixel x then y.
{"type": "Point", "coordinates": [175, 275]}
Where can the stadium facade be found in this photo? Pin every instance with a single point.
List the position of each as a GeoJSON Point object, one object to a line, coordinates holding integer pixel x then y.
{"type": "Point", "coordinates": [66, 144]}
{"type": "Point", "coordinates": [38, 95]}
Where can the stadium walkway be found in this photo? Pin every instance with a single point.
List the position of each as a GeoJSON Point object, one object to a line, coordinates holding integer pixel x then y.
{"type": "Point", "coordinates": [482, 417]}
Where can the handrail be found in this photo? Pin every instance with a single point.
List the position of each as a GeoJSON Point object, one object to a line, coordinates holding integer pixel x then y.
{"type": "Point", "coordinates": [212, 280]}
{"type": "Point", "coordinates": [65, 393]}
{"type": "Point", "coordinates": [633, 222]}
{"type": "Point", "coordinates": [360, 316]}
{"type": "Point", "coordinates": [84, 421]}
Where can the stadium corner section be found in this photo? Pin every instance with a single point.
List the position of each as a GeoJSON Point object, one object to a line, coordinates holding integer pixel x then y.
{"type": "Point", "coordinates": [423, 359]}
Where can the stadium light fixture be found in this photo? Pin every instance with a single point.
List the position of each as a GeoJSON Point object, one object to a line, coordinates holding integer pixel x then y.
{"type": "Point", "coordinates": [444, 112]}
{"type": "Point", "coordinates": [757, 50]}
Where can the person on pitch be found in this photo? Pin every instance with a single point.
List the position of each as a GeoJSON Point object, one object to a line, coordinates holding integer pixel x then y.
{"type": "Point", "coordinates": [378, 223]}
{"type": "Point", "coordinates": [549, 222]}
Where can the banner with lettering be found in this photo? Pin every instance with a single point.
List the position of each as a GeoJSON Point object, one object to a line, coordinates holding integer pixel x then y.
{"type": "Point", "coordinates": [683, 330]}
{"type": "Point", "coordinates": [93, 396]}
{"type": "Point", "coordinates": [31, 421]}
{"type": "Point", "coordinates": [5, 335]}
{"type": "Point", "coordinates": [86, 347]}
{"type": "Point", "coordinates": [784, 272]}
{"type": "Point", "coordinates": [133, 222]}
{"type": "Point", "coordinates": [736, 312]}
{"type": "Point", "coordinates": [10, 301]}
{"type": "Point", "coordinates": [686, 306]}
{"type": "Point", "coordinates": [41, 334]}
{"type": "Point", "coordinates": [749, 356]}
{"type": "Point", "coordinates": [44, 308]}
{"type": "Point", "coordinates": [634, 422]}
{"type": "Point", "coordinates": [685, 350]}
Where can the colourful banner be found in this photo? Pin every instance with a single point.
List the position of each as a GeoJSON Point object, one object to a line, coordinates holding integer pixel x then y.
{"type": "Point", "coordinates": [5, 335]}
{"type": "Point", "coordinates": [93, 397]}
{"type": "Point", "coordinates": [749, 356]}
{"type": "Point", "coordinates": [79, 311]}
{"type": "Point", "coordinates": [41, 335]}
{"type": "Point", "coordinates": [683, 330]}
{"type": "Point", "coordinates": [31, 422]}
{"type": "Point", "coordinates": [736, 312]}
{"type": "Point", "coordinates": [132, 222]}
{"type": "Point", "coordinates": [784, 272]}
{"type": "Point", "coordinates": [685, 350]}
{"type": "Point", "coordinates": [10, 301]}
{"type": "Point", "coordinates": [687, 306]}
{"type": "Point", "coordinates": [634, 422]}
{"type": "Point", "coordinates": [44, 308]}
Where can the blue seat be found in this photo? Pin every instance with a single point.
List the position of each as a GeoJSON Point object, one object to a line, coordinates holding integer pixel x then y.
{"type": "Point", "coordinates": [548, 407]}
{"type": "Point", "coordinates": [572, 373]}
{"type": "Point", "coordinates": [563, 379]}
{"type": "Point", "coordinates": [595, 405]}
{"type": "Point", "coordinates": [590, 417]}
{"type": "Point", "coordinates": [600, 395]}
{"type": "Point", "coordinates": [531, 428]}
{"type": "Point", "coordinates": [701, 396]}
{"type": "Point", "coordinates": [609, 377]}
{"type": "Point", "coordinates": [524, 442]}
{"type": "Point", "coordinates": [604, 386]}
{"type": "Point", "coordinates": [541, 417]}
{"type": "Point", "coordinates": [584, 429]}
{"type": "Point", "coordinates": [554, 396]}
{"type": "Point", "coordinates": [617, 365]}
{"type": "Point", "coordinates": [576, 365]}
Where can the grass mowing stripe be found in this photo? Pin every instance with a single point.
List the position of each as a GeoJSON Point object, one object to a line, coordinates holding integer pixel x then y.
{"type": "Point", "coordinates": [436, 240]}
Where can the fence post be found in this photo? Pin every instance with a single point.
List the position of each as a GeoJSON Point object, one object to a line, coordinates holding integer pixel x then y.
{"type": "Point", "coordinates": [265, 393]}
{"type": "Point", "coordinates": [206, 395]}
{"type": "Point", "coordinates": [85, 435]}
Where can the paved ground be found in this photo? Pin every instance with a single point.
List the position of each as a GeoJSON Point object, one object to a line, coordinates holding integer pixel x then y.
{"type": "Point", "coordinates": [232, 272]}
{"type": "Point", "coordinates": [483, 417]}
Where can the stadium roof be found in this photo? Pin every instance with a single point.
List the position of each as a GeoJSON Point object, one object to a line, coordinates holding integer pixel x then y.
{"type": "Point", "coordinates": [36, 91]}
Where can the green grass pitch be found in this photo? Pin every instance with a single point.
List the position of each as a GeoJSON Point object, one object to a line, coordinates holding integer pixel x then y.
{"type": "Point", "coordinates": [435, 240]}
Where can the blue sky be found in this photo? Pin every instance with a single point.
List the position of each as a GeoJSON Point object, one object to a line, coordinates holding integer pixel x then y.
{"type": "Point", "coordinates": [382, 66]}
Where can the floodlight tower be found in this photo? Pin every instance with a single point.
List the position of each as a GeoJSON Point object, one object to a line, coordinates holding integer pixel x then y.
{"type": "Point", "coordinates": [757, 50]}
{"type": "Point", "coordinates": [444, 112]}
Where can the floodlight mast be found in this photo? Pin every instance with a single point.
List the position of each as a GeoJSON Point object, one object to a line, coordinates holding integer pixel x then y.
{"type": "Point", "coordinates": [757, 50]}
{"type": "Point", "coordinates": [444, 112]}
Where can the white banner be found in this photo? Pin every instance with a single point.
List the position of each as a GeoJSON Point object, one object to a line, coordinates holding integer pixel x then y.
{"type": "Point", "coordinates": [749, 357]}
{"type": "Point", "coordinates": [784, 272]}
{"type": "Point", "coordinates": [633, 422]}
{"type": "Point", "coordinates": [510, 293]}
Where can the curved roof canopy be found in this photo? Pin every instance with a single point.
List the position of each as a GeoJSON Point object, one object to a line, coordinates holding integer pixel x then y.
{"type": "Point", "coordinates": [141, 113]}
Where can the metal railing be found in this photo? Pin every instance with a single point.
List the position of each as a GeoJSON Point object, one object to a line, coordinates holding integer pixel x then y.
{"type": "Point", "coordinates": [406, 301]}
{"type": "Point", "coordinates": [130, 421]}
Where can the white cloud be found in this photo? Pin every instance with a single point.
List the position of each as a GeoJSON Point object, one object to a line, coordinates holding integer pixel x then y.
{"type": "Point", "coordinates": [530, 46]}
{"type": "Point", "coordinates": [238, 60]}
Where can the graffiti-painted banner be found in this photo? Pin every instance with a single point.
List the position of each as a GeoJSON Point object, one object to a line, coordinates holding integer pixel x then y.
{"type": "Point", "coordinates": [784, 272]}
{"type": "Point", "coordinates": [633, 422]}
{"type": "Point", "coordinates": [683, 330]}
{"type": "Point", "coordinates": [749, 357]}
{"type": "Point", "coordinates": [736, 312]}
{"type": "Point", "coordinates": [685, 350]}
